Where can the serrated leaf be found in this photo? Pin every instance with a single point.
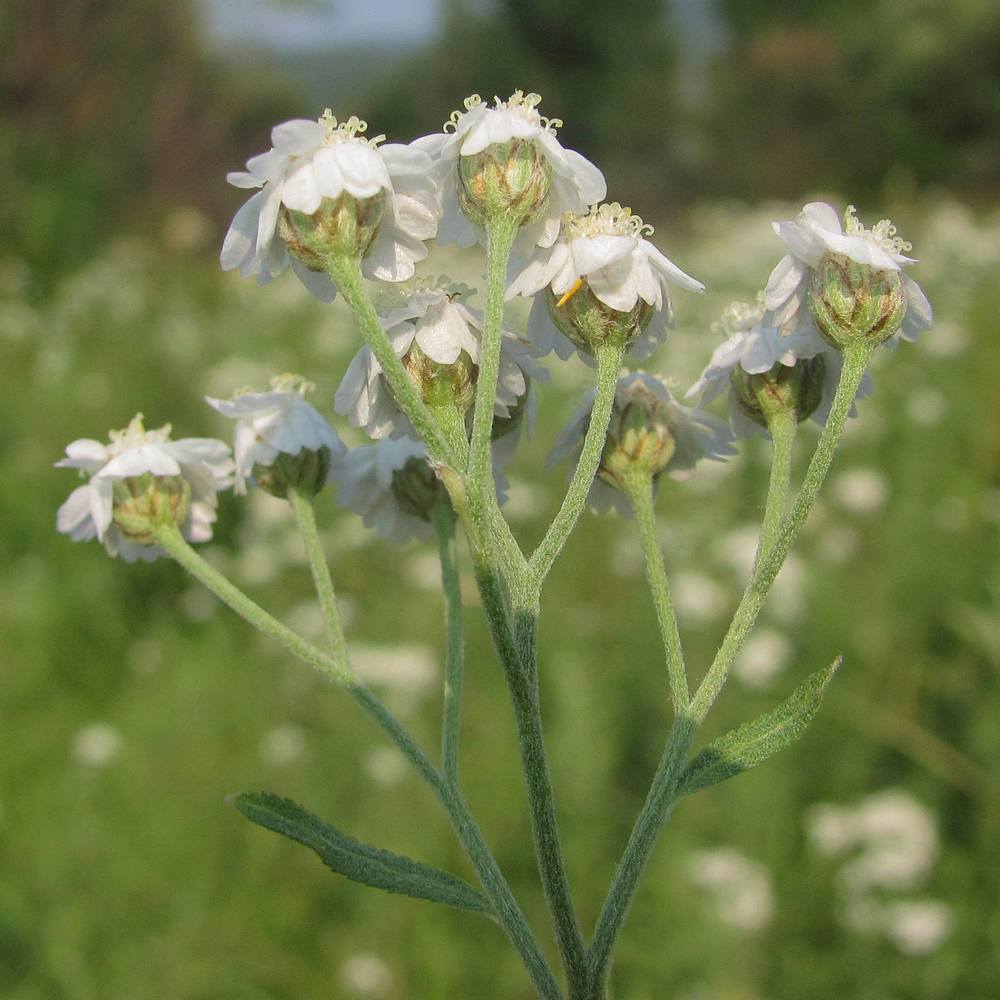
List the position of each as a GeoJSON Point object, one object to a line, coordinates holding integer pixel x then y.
{"type": "Point", "coordinates": [747, 745]}
{"type": "Point", "coordinates": [359, 862]}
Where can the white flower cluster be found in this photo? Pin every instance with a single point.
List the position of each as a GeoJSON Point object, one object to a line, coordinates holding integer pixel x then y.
{"type": "Point", "coordinates": [692, 434]}
{"type": "Point", "coordinates": [313, 161]}
{"type": "Point", "coordinates": [328, 194]}
{"type": "Point", "coordinates": [755, 344]}
{"type": "Point", "coordinates": [119, 468]}
{"type": "Point", "coordinates": [269, 424]}
{"type": "Point", "coordinates": [606, 251]}
{"type": "Point", "coordinates": [817, 231]}
{"type": "Point", "coordinates": [889, 844]}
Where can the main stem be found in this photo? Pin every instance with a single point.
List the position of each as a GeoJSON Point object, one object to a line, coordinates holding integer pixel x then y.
{"type": "Point", "coordinates": [522, 682]}
{"type": "Point", "coordinates": [444, 526]}
{"type": "Point", "coordinates": [661, 794]}
{"type": "Point", "coordinates": [506, 908]}
{"type": "Point", "coordinates": [346, 275]}
{"type": "Point", "coordinates": [609, 359]}
{"type": "Point", "coordinates": [641, 493]}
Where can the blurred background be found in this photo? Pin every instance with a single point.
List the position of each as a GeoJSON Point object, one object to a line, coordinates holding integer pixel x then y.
{"type": "Point", "coordinates": [861, 864]}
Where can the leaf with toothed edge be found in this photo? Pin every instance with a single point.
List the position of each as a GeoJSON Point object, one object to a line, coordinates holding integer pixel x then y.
{"type": "Point", "coordinates": [359, 862]}
{"type": "Point", "coordinates": [753, 742]}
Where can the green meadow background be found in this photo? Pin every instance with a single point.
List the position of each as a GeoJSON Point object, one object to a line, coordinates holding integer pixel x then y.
{"type": "Point", "coordinates": [861, 864]}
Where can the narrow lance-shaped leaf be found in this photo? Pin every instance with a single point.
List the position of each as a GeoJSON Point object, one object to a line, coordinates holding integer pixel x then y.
{"type": "Point", "coordinates": [753, 742]}
{"type": "Point", "coordinates": [359, 862]}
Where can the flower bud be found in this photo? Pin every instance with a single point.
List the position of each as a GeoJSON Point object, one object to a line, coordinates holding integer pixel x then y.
{"type": "Point", "coordinates": [305, 472]}
{"type": "Point", "coordinates": [587, 322]}
{"type": "Point", "coordinates": [505, 179]}
{"type": "Point", "coordinates": [640, 441]}
{"type": "Point", "coordinates": [441, 384]}
{"type": "Point", "coordinates": [143, 504]}
{"type": "Point", "coordinates": [341, 226]}
{"type": "Point", "coordinates": [851, 301]}
{"type": "Point", "coordinates": [797, 388]}
{"type": "Point", "coordinates": [417, 488]}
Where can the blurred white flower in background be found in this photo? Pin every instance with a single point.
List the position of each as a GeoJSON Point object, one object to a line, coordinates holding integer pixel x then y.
{"type": "Point", "coordinates": [737, 889]}
{"type": "Point", "coordinates": [918, 927]}
{"type": "Point", "coordinates": [861, 491]}
{"type": "Point", "coordinates": [283, 745]}
{"type": "Point", "coordinates": [97, 744]}
{"type": "Point", "coordinates": [764, 656]}
{"type": "Point", "coordinates": [889, 842]}
{"type": "Point", "coordinates": [386, 765]}
{"type": "Point", "coordinates": [893, 836]}
{"type": "Point", "coordinates": [926, 407]}
{"type": "Point", "coordinates": [366, 975]}
{"type": "Point", "coordinates": [698, 598]}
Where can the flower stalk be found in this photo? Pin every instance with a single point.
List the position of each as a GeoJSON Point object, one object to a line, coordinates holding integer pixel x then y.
{"type": "Point", "coordinates": [641, 495]}
{"type": "Point", "coordinates": [609, 359]}
{"type": "Point", "coordinates": [345, 273]}
{"type": "Point", "coordinates": [443, 518]}
{"type": "Point", "coordinates": [507, 910]}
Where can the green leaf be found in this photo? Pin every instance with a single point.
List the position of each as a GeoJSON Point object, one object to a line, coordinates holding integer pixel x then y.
{"type": "Point", "coordinates": [359, 862]}
{"type": "Point", "coordinates": [753, 742]}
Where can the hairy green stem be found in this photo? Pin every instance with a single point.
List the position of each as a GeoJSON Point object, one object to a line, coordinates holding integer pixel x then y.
{"type": "Point", "coordinates": [345, 272]}
{"type": "Point", "coordinates": [444, 527]}
{"type": "Point", "coordinates": [609, 359]}
{"type": "Point", "coordinates": [856, 358]}
{"type": "Point", "coordinates": [522, 682]}
{"type": "Point", "coordinates": [500, 233]}
{"type": "Point", "coordinates": [655, 810]}
{"type": "Point", "coordinates": [305, 516]}
{"type": "Point", "coordinates": [506, 908]}
{"type": "Point", "coordinates": [661, 794]}
{"type": "Point", "coordinates": [783, 426]}
{"type": "Point", "coordinates": [641, 493]}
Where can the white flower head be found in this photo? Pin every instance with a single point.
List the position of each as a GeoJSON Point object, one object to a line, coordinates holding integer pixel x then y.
{"type": "Point", "coordinates": [279, 422]}
{"type": "Point", "coordinates": [573, 181]}
{"type": "Point", "coordinates": [818, 231]}
{"type": "Point", "coordinates": [602, 256]}
{"type": "Point", "coordinates": [684, 435]}
{"type": "Point", "coordinates": [437, 336]}
{"type": "Point", "coordinates": [394, 488]}
{"type": "Point", "coordinates": [122, 471]}
{"type": "Point", "coordinates": [316, 162]}
{"type": "Point", "coordinates": [756, 345]}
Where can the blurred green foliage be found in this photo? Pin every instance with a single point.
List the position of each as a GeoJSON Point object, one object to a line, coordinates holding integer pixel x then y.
{"type": "Point", "coordinates": [125, 875]}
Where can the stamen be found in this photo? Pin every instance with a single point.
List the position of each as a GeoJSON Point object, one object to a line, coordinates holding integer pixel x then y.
{"type": "Point", "coordinates": [882, 234]}
{"type": "Point", "coordinates": [577, 285]}
{"type": "Point", "coordinates": [136, 434]}
{"type": "Point", "coordinates": [290, 382]}
{"type": "Point", "coordinates": [525, 104]}
{"type": "Point", "coordinates": [353, 128]}
{"type": "Point", "coordinates": [607, 220]}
